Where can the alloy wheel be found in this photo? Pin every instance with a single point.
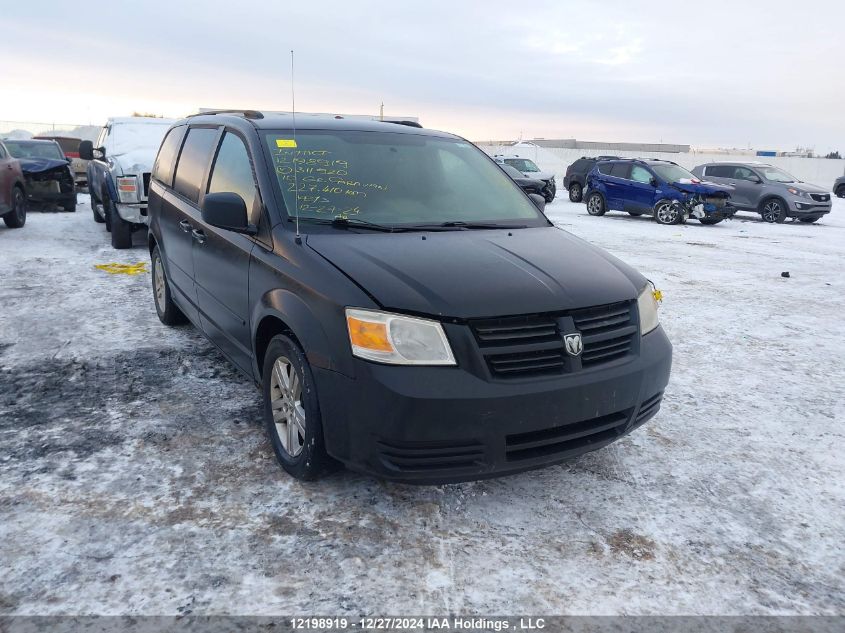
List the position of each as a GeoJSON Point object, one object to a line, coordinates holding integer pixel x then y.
{"type": "Point", "coordinates": [158, 284]}
{"type": "Point", "coordinates": [772, 211]}
{"type": "Point", "coordinates": [286, 404]}
{"type": "Point", "coordinates": [575, 192]}
{"type": "Point", "coordinates": [594, 205]}
{"type": "Point", "coordinates": [667, 213]}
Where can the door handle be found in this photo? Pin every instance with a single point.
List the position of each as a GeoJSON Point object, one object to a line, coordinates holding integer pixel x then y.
{"type": "Point", "coordinates": [185, 225]}
{"type": "Point", "coordinates": [198, 235]}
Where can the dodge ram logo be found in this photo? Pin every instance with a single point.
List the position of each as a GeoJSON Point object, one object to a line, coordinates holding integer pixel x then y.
{"type": "Point", "coordinates": [573, 344]}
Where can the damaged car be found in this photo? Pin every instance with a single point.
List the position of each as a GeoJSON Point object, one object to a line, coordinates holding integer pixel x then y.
{"type": "Point", "coordinates": [529, 169]}
{"type": "Point", "coordinates": [118, 173]}
{"type": "Point", "coordinates": [12, 192]}
{"type": "Point", "coordinates": [47, 172]}
{"type": "Point", "coordinates": [659, 188]}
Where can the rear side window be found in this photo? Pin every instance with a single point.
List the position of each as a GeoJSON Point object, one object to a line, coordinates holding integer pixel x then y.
{"type": "Point", "coordinates": [195, 156]}
{"type": "Point", "coordinates": [232, 172]}
{"type": "Point", "coordinates": [604, 168]}
{"type": "Point", "coordinates": [166, 159]}
{"type": "Point", "coordinates": [620, 170]}
{"type": "Point", "coordinates": [720, 171]}
{"type": "Point", "coordinates": [582, 165]}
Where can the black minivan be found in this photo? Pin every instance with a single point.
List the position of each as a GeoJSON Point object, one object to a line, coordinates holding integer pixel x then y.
{"type": "Point", "coordinates": [406, 308]}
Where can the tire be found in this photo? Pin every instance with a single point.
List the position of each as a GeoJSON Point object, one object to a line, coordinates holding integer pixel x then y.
{"type": "Point", "coordinates": [710, 221]}
{"type": "Point", "coordinates": [773, 210]}
{"type": "Point", "coordinates": [809, 220]}
{"type": "Point", "coordinates": [290, 395]}
{"type": "Point", "coordinates": [668, 212]}
{"type": "Point", "coordinates": [576, 192]}
{"type": "Point", "coordinates": [16, 217]}
{"type": "Point", "coordinates": [121, 230]}
{"type": "Point", "coordinates": [70, 207]}
{"type": "Point", "coordinates": [97, 217]}
{"type": "Point", "coordinates": [168, 312]}
{"type": "Point", "coordinates": [549, 194]}
{"type": "Point", "coordinates": [840, 191]}
{"type": "Point", "coordinates": [595, 204]}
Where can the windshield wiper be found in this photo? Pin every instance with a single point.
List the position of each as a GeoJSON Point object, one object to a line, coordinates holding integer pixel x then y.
{"type": "Point", "coordinates": [460, 224]}
{"type": "Point", "coordinates": [351, 223]}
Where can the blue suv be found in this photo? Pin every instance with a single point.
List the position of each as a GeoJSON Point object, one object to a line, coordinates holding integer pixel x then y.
{"type": "Point", "coordinates": [660, 188]}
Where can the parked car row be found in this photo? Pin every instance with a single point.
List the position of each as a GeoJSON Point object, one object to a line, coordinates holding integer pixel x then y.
{"type": "Point", "coordinates": [709, 193]}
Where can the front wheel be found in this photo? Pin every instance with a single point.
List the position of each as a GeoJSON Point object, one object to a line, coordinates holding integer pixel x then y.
{"type": "Point", "coordinates": [576, 194]}
{"type": "Point", "coordinates": [595, 204]}
{"type": "Point", "coordinates": [168, 312]}
{"type": "Point", "coordinates": [840, 191]}
{"type": "Point", "coordinates": [121, 230]}
{"type": "Point", "coordinates": [292, 412]}
{"type": "Point", "coordinates": [549, 193]}
{"type": "Point", "coordinates": [668, 212]}
{"type": "Point", "coordinates": [16, 217]}
{"type": "Point", "coordinates": [774, 211]}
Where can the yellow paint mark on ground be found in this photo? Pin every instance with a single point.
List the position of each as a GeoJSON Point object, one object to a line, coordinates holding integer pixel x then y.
{"type": "Point", "coordinates": [123, 269]}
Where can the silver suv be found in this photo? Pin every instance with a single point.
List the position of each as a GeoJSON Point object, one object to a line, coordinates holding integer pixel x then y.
{"type": "Point", "coordinates": [769, 190]}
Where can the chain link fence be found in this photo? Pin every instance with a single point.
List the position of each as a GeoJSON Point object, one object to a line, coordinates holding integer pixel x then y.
{"type": "Point", "coordinates": [28, 129]}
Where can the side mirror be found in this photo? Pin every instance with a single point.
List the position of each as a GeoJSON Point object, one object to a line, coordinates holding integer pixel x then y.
{"type": "Point", "coordinates": [226, 210]}
{"type": "Point", "coordinates": [653, 182]}
{"type": "Point", "coordinates": [757, 180]}
{"type": "Point", "coordinates": [86, 150]}
{"type": "Point", "coordinates": [539, 201]}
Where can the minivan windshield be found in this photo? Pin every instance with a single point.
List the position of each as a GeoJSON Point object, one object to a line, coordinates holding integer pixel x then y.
{"type": "Point", "coordinates": [394, 179]}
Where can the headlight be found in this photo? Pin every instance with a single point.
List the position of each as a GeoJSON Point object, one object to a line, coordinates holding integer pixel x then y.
{"type": "Point", "coordinates": [795, 192]}
{"type": "Point", "coordinates": [396, 339]}
{"type": "Point", "coordinates": [647, 307]}
{"type": "Point", "coordinates": [127, 189]}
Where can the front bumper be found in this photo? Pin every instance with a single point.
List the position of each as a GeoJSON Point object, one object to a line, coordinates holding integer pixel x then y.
{"type": "Point", "coordinates": [445, 424]}
{"type": "Point", "coordinates": [136, 213]}
{"type": "Point", "coordinates": [805, 207]}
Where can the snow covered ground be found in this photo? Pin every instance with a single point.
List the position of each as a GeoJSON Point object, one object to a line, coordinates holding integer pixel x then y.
{"type": "Point", "coordinates": [135, 476]}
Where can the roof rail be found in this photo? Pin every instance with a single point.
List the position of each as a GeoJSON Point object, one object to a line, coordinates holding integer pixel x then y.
{"type": "Point", "coordinates": [408, 123]}
{"type": "Point", "coordinates": [247, 114]}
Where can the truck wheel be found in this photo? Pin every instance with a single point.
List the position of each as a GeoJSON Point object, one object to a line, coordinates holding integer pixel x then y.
{"type": "Point", "coordinates": [773, 210]}
{"type": "Point", "coordinates": [668, 212]}
{"type": "Point", "coordinates": [840, 191]}
{"type": "Point", "coordinates": [595, 204]}
{"type": "Point", "coordinates": [121, 230]}
{"type": "Point", "coordinates": [168, 312]}
{"type": "Point", "coordinates": [576, 194]}
{"type": "Point", "coordinates": [16, 218]}
{"type": "Point", "coordinates": [292, 412]}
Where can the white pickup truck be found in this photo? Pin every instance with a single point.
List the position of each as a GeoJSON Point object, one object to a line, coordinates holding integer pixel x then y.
{"type": "Point", "coordinates": [119, 173]}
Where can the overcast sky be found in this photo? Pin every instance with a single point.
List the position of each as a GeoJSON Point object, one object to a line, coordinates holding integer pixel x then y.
{"type": "Point", "coordinates": [715, 73]}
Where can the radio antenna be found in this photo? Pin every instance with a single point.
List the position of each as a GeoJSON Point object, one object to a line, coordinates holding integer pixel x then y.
{"type": "Point", "coordinates": [295, 182]}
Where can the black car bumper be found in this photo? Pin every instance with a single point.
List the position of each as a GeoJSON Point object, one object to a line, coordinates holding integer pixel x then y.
{"type": "Point", "coordinates": [444, 424]}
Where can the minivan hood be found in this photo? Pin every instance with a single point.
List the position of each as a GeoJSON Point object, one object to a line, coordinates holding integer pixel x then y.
{"type": "Point", "coordinates": [480, 273]}
{"type": "Point", "coordinates": [703, 187]}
